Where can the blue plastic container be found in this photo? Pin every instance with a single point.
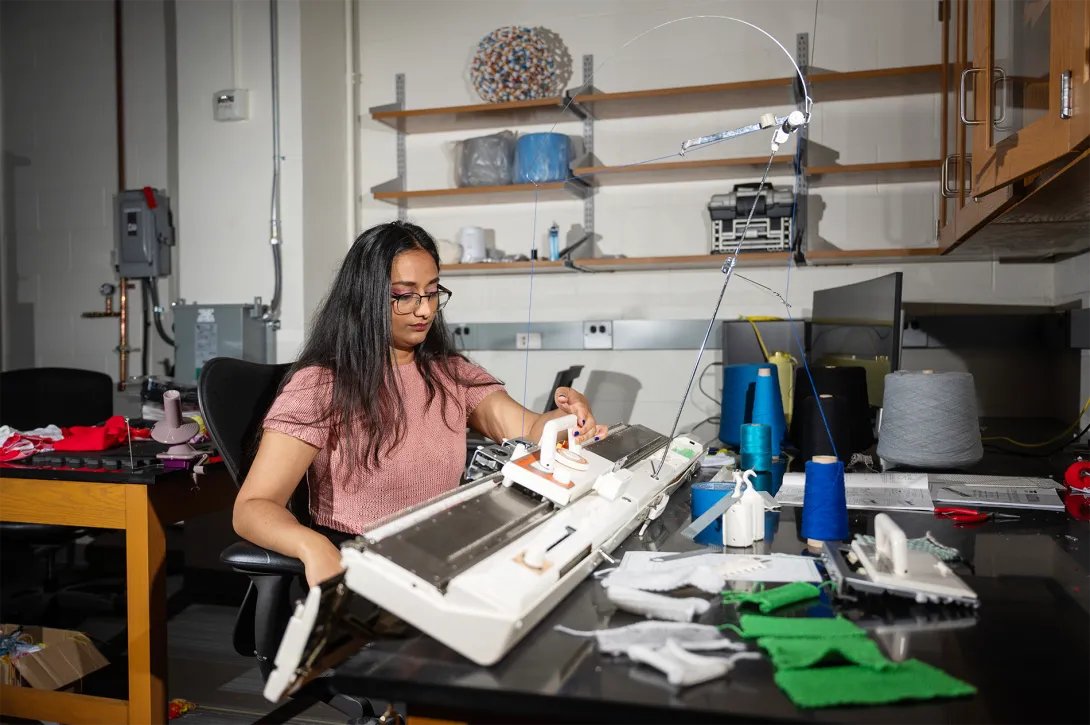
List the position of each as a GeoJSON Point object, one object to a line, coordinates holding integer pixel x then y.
{"type": "Point", "coordinates": [542, 158]}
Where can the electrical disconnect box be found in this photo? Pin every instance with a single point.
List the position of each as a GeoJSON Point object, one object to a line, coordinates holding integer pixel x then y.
{"type": "Point", "coordinates": [202, 332]}
{"type": "Point", "coordinates": [145, 233]}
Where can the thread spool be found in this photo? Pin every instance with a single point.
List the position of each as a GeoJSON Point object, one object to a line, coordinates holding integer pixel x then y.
{"type": "Point", "coordinates": [929, 420]}
{"type": "Point", "coordinates": [768, 407]}
{"type": "Point", "coordinates": [756, 447]}
{"type": "Point", "coordinates": [815, 437]}
{"type": "Point", "coordinates": [824, 502]}
{"type": "Point", "coordinates": [785, 376]}
{"type": "Point", "coordinates": [848, 383]}
{"type": "Point", "coordinates": [703, 496]}
{"type": "Point", "coordinates": [737, 406]}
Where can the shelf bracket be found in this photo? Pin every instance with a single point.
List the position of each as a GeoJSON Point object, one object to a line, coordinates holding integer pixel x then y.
{"type": "Point", "coordinates": [588, 151]}
{"type": "Point", "coordinates": [799, 228]}
{"type": "Point", "coordinates": [399, 182]}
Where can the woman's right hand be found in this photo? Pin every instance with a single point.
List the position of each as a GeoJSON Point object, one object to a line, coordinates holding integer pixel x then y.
{"type": "Point", "coordinates": [322, 560]}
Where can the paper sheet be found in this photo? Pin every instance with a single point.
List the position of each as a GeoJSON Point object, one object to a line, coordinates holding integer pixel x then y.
{"type": "Point", "coordinates": [735, 567]}
{"type": "Point", "coordinates": [996, 492]}
{"type": "Point", "coordinates": [872, 491]}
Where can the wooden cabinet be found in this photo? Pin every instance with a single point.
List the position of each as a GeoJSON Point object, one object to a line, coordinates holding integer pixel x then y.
{"type": "Point", "coordinates": [962, 212]}
{"type": "Point", "coordinates": [1029, 73]}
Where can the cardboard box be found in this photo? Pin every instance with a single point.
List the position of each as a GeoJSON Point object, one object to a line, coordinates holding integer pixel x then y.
{"type": "Point", "coordinates": [65, 657]}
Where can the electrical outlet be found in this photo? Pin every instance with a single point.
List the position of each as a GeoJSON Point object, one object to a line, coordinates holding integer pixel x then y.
{"type": "Point", "coordinates": [528, 341]}
{"type": "Point", "coordinates": [598, 335]}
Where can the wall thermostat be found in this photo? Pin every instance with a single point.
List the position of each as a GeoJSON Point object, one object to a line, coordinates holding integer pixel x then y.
{"type": "Point", "coordinates": [232, 104]}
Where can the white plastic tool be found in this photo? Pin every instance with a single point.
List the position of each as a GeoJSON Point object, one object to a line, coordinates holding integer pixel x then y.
{"type": "Point", "coordinates": [743, 522]}
{"type": "Point", "coordinates": [889, 565]}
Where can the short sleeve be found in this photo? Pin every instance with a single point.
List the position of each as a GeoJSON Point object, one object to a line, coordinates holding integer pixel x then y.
{"type": "Point", "coordinates": [476, 383]}
{"type": "Point", "coordinates": [302, 407]}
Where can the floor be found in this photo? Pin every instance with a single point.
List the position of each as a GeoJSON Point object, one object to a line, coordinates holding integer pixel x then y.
{"type": "Point", "coordinates": [204, 668]}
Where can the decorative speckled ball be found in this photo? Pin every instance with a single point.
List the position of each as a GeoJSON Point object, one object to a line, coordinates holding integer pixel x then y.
{"type": "Point", "coordinates": [513, 64]}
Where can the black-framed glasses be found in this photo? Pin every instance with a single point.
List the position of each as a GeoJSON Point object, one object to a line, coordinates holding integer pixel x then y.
{"type": "Point", "coordinates": [407, 303]}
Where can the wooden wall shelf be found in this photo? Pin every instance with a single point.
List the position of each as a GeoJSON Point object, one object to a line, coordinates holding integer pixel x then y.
{"type": "Point", "coordinates": [474, 116]}
{"type": "Point", "coordinates": [472, 195]}
{"type": "Point", "coordinates": [768, 260]}
{"type": "Point", "coordinates": [824, 86]}
{"type": "Point", "coordinates": [678, 171]}
{"type": "Point", "coordinates": [884, 172]}
{"type": "Point", "coordinates": [878, 83]}
{"type": "Point", "coordinates": [620, 264]}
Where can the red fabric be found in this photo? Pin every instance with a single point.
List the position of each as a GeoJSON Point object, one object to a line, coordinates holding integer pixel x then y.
{"type": "Point", "coordinates": [19, 446]}
{"type": "Point", "coordinates": [98, 437]}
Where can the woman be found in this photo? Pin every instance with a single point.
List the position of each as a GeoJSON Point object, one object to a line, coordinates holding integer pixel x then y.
{"type": "Point", "coordinates": [375, 410]}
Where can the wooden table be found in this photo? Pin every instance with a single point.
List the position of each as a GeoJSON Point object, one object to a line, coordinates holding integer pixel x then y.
{"type": "Point", "coordinates": [141, 504]}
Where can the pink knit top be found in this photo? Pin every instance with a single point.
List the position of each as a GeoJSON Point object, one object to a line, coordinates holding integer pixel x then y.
{"type": "Point", "coordinates": [428, 460]}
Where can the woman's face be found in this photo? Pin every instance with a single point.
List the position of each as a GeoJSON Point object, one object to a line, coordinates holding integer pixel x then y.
{"type": "Point", "coordinates": [412, 273]}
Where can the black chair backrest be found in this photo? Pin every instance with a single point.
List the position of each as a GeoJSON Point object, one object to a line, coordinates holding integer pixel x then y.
{"type": "Point", "coordinates": [564, 379]}
{"type": "Point", "coordinates": [234, 396]}
{"type": "Point", "coordinates": [37, 397]}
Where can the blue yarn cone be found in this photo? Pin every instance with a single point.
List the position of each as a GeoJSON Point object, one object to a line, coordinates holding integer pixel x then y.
{"type": "Point", "coordinates": [824, 502]}
{"type": "Point", "coordinates": [738, 398]}
{"type": "Point", "coordinates": [768, 408]}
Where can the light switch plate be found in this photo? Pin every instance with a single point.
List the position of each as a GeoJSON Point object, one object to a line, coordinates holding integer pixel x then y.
{"type": "Point", "coordinates": [598, 335]}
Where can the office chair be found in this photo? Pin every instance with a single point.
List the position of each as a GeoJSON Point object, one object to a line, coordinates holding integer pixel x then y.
{"type": "Point", "coordinates": [34, 398]}
{"type": "Point", "coordinates": [234, 396]}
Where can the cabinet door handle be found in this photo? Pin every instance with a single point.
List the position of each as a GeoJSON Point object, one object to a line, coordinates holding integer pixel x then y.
{"type": "Point", "coordinates": [1000, 80]}
{"type": "Point", "coordinates": [1065, 95]}
{"type": "Point", "coordinates": [945, 189]}
{"type": "Point", "coordinates": [961, 98]}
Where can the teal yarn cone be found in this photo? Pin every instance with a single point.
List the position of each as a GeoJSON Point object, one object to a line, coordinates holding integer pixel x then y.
{"type": "Point", "coordinates": [768, 407]}
{"type": "Point", "coordinates": [738, 397]}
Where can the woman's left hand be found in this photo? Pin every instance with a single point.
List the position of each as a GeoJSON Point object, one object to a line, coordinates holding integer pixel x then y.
{"type": "Point", "coordinates": [572, 402]}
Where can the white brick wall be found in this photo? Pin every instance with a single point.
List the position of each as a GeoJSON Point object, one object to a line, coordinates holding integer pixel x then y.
{"type": "Point", "coordinates": [671, 218]}
{"type": "Point", "coordinates": [225, 169]}
{"type": "Point", "coordinates": [61, 137]}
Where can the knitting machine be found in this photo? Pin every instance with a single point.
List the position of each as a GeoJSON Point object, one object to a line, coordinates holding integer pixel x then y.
{"type": "Point", "coordinates": [768, 231]}
{"type": "Point", "coordinates": [479, 566]}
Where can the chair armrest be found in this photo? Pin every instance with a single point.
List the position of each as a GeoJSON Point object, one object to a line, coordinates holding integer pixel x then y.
{"type": "Point", "coordinates": [242, 556]}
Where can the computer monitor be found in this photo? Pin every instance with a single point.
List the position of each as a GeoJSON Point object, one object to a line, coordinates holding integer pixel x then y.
{"type": "Point", "coordinates": [859, 322]}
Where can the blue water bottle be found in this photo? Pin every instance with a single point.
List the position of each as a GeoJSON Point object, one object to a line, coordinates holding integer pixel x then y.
{"type": "Point", "coordinates": [554, 242]}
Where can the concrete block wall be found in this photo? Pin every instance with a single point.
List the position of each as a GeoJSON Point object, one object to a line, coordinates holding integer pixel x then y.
{"type": "Point", "coordinates": [671, 219]}
{"type": "Point", "coordinates": [60, 168]}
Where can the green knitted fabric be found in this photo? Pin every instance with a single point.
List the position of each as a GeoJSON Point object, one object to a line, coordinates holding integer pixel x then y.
{"type": "Point", "coordinates": [800, 653]}
{"type": "Point", "coordinates": [770, 600]}
{"type": "Point", "coordinates": [756, 625]}
{"type": "Point", "coordinates": [855, 685]}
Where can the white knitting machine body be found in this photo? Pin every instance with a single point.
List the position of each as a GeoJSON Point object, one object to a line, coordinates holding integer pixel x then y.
{"type": "Point", "coordinates": [477, 568]}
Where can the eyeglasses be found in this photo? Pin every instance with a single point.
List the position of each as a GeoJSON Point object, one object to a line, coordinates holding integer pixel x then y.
{"type": "Point", "coordinates": [407, 303]}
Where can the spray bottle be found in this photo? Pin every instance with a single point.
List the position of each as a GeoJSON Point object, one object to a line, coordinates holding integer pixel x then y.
{"type": "Point", "coordinates": [554, 242]}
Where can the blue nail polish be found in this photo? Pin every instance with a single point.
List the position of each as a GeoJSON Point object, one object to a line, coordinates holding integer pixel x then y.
{"type": "Point", "coordinates": [597, 438]}
{"type": "Point", "coordinates": [583, 422]}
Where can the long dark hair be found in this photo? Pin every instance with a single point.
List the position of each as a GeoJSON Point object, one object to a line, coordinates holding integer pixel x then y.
{"type": "Point", "coordinates": [351, 337]}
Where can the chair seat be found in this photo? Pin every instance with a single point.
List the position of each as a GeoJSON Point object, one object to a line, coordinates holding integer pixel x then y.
{"type": "Point", "coordinates": [41, 534]}
{"type": "Point", "coordinates": [249, 558]}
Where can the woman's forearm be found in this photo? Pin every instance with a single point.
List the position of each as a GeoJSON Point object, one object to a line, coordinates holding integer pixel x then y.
{"type": "Point", "coordinates": [272, 526]}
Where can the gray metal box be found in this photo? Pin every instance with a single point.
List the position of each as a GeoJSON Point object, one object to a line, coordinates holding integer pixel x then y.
{"type": "Point", "coordinates": [145, 233]}
{"type": "Point", "coordinates": [202, 332]}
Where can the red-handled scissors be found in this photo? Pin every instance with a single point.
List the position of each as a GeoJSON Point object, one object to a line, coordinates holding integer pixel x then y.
{"type": "Point", "coordinates": [969, 516]}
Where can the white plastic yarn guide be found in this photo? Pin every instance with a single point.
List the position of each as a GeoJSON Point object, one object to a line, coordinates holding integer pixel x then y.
{"type": "Point", "coordinates": [890, 565]}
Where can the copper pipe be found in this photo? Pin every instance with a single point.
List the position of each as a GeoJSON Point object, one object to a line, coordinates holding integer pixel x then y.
{"type": "Point", "coordinates": [123, 347]}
